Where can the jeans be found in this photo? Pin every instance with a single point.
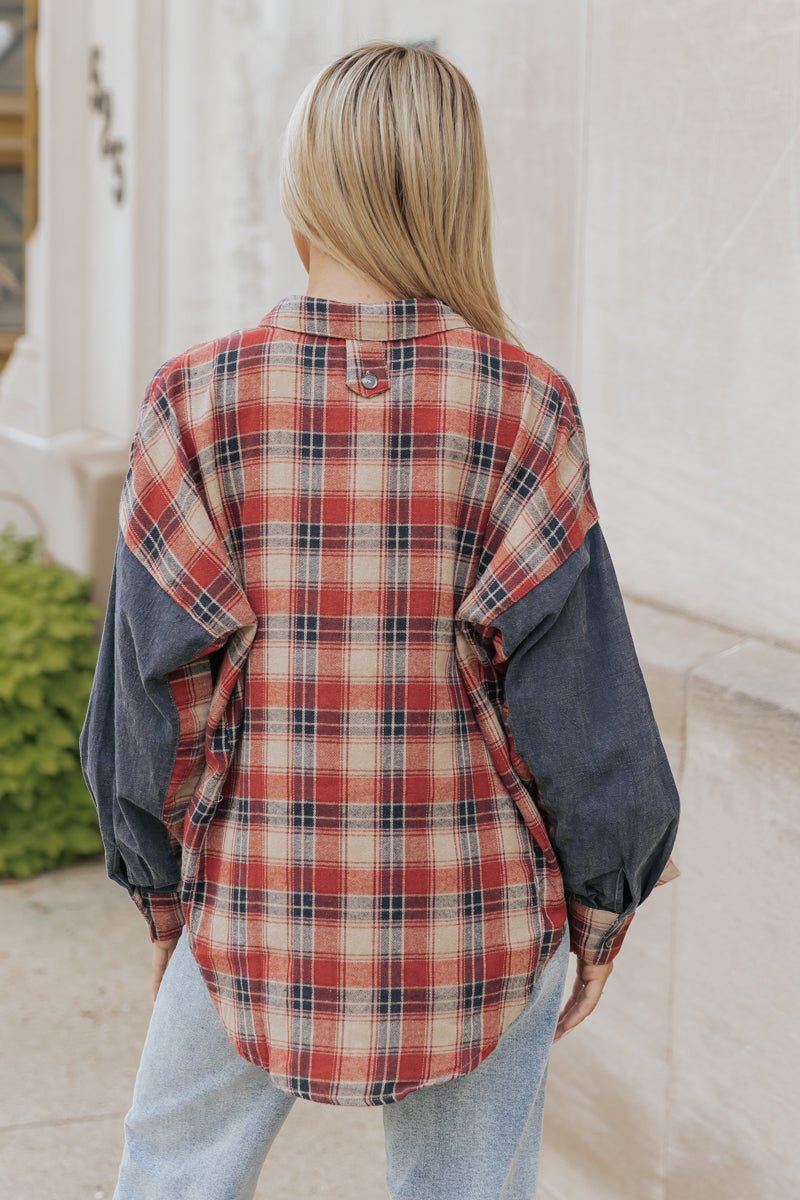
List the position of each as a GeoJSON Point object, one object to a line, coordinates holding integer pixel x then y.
{"type": "Point", "coordinates": [203, 1118]}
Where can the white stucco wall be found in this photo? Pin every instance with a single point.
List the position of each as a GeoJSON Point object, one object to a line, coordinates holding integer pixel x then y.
{"type": "Point", "coordinates": [690, 303]}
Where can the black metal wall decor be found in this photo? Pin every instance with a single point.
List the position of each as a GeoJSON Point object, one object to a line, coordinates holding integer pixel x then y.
{"type": "Point", "coordinates": [100, 100]}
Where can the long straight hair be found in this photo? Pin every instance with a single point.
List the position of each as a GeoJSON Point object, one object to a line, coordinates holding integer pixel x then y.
{"type": "Point", "coordinates": [384, 167]}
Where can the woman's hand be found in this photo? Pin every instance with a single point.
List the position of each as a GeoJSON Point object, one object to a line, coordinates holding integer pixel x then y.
{"type": "Point", "coordinates": [586, 991]}
{"type": "Point", "coordinates": [162, 952]}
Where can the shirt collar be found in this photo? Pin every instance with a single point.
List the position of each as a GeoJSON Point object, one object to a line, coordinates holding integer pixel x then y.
{"type": "Point", "coordinates": [380, 320]}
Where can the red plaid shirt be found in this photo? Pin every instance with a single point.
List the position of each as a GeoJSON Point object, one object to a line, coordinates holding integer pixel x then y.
{"type": "Point", "coordinates": [298, 740]}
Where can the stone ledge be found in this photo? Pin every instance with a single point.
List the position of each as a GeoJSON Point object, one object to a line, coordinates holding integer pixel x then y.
{"type": "Point", "coordinates": [671, 646]}
{"type": "Point", "coordinates": [677, 652]}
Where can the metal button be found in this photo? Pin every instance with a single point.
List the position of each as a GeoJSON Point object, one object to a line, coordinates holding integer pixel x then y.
{"type": "Point", "coordinates": [369, 380]}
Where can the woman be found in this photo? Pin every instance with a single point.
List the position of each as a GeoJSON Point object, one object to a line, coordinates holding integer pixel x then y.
{"type": "Point", "coordinates": [368, 738]}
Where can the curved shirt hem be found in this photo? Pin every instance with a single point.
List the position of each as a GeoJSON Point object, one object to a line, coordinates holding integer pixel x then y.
{"type": "Point", "coordinates": [353, 1096]}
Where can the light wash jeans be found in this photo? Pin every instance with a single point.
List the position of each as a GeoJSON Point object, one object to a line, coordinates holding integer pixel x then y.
{"type": "Point", "coordinates": [203, 1118]}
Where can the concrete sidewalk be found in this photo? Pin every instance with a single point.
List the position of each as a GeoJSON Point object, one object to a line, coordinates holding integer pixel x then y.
{"type": "Point", "coordinates": [75, 988]}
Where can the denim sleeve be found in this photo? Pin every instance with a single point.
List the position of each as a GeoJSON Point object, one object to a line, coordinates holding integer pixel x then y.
{"type": "Point", "coordinates": [130, 736]}
{"type": "Point", "coordinates": [158, 724]}
{"type": "Point", "coordinates": [579, 714]}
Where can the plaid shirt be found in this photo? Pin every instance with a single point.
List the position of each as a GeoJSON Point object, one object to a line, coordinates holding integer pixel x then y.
{"type": "Point", "coordinates": [367, 717]}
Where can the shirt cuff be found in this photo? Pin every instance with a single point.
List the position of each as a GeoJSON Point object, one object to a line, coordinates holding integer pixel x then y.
{"type": "Point", "coordinates": [597, 934]}
{"type": "Point", "coordinates": [162, 911]}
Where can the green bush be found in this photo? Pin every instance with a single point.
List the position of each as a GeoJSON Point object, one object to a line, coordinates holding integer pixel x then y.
{"type": "Point", "coordinates": [48, 652]}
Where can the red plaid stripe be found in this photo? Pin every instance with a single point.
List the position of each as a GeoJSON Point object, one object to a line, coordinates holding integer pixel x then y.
{"type": "Point", "coordinates": [162, 912]}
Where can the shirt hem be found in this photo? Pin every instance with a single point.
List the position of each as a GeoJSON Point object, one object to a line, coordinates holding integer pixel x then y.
{"type": "Point", "coordinates": [398, 1090]}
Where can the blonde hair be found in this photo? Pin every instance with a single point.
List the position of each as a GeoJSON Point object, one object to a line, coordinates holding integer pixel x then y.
{"type": "Point", "coordinates": [384, 166]}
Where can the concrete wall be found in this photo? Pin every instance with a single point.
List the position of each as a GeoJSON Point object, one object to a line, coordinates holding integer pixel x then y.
{"type": "Point", "coordinates": [681, 1084]}
{"type": "Point", "coordinates": [645, 177]}
{"type": "Point", "coordinates": [691, 302]}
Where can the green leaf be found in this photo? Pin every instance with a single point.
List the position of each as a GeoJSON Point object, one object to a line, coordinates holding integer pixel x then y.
{"type": "Point", "coordinates": [48, 653]}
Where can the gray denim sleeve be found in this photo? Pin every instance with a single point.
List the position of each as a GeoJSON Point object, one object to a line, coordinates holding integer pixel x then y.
{"type": "Point", "coordinates": [130, 734]}
{"type": "Point", "coordinates": [581, 719]}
